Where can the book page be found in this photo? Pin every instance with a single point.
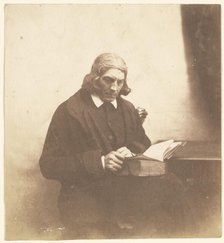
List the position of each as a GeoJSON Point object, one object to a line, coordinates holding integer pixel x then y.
{"type": "Point", "coordinates": [157, 151]}
{"type": "Point", "coordinates": [172, 148]}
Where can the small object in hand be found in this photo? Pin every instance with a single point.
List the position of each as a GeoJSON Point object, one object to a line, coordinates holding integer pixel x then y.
{"type": "Point", "coordinates": [142, 113]}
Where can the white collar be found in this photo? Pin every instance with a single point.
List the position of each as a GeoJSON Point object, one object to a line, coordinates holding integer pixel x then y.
{"type": "Point", "coordinates": [98, 102]}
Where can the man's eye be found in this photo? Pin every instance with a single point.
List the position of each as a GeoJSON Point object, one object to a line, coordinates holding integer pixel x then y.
{"type": "Point", "coordinates": [108, 80]}
{"type": "Point", "coordinates": [120, 82]}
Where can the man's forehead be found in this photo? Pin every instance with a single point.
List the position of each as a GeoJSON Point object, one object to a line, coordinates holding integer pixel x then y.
{"type": "Point", "coordinates": [114, 72]}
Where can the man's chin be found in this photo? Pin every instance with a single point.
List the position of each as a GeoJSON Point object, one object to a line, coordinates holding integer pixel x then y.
{"type": "Point", "coordinates": [109, 98]}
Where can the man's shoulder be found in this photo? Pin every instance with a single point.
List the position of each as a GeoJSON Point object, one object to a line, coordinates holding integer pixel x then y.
{"type": "Point", "coordinates": [127, 104]}
{"type": "Point", "coordinates": [77, 103]}
{"type": "Point", "coordinates": [76, 98]}
{"type": "Point", "coordinates": [73, 102]}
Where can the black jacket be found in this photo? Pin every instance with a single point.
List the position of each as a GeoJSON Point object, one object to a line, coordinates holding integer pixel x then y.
{"type": "Point", "coordinates": [72, 155]}
{"type": "Point", "coordinates": [75, 143]}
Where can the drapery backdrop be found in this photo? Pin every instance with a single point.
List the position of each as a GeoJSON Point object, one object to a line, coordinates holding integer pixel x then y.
{"type": "Point", "coordinates": [202, 38]}
{"type": "Point", "coordinates": [173, 55]}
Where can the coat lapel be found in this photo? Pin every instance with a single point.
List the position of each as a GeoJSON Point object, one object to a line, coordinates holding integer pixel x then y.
{"type": "Point", "coordinates": [81, 107]}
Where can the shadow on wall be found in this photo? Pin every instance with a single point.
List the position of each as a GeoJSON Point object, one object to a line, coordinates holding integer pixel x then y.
{"type": "Point", "coordinates": [201, 26]}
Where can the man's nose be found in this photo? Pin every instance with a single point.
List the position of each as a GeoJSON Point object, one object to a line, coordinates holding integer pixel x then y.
{"type": "Point", "coordinates": [114, 86]}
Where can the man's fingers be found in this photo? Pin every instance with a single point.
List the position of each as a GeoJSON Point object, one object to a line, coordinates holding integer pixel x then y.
{"type": "Point", "coordinates": [121, 149]}
{"type": "Point", "coordinates": [113, 161]}
{"type": "Point", "coordinates": [118, 156]}
{"type": "Point", "coordinates": [117, 161]}
{"type": "Point", "coordinates": [125, 152]}
{"type": "Point", "coordinates": [114, 165]}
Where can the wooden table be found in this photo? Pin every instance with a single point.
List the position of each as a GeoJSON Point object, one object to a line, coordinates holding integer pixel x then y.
{"type": "Point", "coordinates": [199, 151]}
{"type": "Point", "coordinates": [198, 163]}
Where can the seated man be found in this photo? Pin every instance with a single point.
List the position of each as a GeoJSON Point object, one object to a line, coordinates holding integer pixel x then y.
{"type": "Point", "coordinates": [88, 139]}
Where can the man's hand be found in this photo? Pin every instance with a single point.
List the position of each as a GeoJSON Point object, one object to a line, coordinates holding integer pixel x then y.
{"type": "Point", "coordinates": [125, 152]}
{"type": "Point", "coordinates": [113, 161]}
{"type": "Point", "coordinates": [142, 113]}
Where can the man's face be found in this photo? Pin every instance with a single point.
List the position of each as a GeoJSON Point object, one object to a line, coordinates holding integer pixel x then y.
{"type": "Point", "coordinates": [110, 84]}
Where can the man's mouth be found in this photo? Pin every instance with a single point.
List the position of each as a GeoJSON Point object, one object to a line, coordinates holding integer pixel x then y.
{"type": "Point", "coordinates": [114, 95]}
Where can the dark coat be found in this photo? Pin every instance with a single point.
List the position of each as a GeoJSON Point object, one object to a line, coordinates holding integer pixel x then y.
{"type": "Point", "coordinates": [72, 155]}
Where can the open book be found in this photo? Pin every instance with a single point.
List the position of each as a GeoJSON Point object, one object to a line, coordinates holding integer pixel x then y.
{"type": "Point", "coordinates": [159, 151]}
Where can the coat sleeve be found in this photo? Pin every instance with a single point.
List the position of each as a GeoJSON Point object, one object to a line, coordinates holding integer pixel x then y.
{"type": "Point", "coordinates": [140, 142]}
{"type": "Point", "coordinates": [61, 159]}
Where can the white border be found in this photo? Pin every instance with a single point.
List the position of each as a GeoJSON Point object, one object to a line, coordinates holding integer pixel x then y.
{"type": "Point", "coordinates": [2, 3]}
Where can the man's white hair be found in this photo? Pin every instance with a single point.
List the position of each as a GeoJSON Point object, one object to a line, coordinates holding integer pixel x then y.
{"type": "Point", "coordinates": [103, 63]}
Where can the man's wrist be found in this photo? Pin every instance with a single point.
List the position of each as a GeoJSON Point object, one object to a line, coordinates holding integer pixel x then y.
{"type": "Point", "coordinates": [103, 161]}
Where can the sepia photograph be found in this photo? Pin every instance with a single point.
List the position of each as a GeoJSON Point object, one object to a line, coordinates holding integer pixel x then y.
{"type": "Point", "coordinates": [112, 121]}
